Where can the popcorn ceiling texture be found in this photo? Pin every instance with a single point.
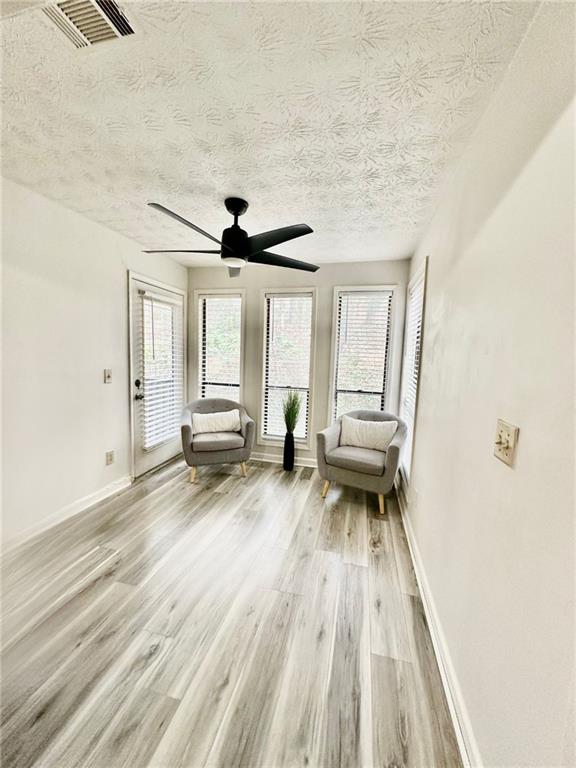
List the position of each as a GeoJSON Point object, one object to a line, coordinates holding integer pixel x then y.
{"type": "Point", "coordinates": [342, 115]}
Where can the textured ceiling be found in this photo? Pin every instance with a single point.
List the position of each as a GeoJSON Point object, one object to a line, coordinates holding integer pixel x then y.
{"type": "Point", "coordinates": [12, 7]}
{"type": "Point", "coordinates": [340, 115]}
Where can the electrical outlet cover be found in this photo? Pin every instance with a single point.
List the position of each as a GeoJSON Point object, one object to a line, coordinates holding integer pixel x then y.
{"type": "Point", "coordinates": [505, 441]}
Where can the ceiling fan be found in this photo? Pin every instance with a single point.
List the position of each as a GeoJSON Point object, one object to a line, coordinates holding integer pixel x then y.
{"type": "Point", "coordinates": [237, 249]}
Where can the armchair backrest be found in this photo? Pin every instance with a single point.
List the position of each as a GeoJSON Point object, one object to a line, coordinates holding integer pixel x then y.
{"type": "Point", "coordinates": [213, 405]}
{"type": "Point", "coordinates": [364, 415]}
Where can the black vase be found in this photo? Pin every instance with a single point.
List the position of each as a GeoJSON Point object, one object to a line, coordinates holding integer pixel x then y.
{"type": "Point", "coordinates": [288, 463]}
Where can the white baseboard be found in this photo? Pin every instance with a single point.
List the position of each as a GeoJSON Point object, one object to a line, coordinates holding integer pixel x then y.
{"type": "Point", "coordinates": [460, 718]}
{"type": "Point", "coordinates": [276, 458]}
{"type": "Point", "coordinates": [80, 505]}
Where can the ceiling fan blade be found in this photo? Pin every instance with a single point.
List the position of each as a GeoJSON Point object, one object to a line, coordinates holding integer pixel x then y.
{"type": "Point", "coordinates": [273, 259]}
{"type": "Point", "coordinates": [265, 240]}
{"type": "Point", "coordinates": [180, 250]}
{"type": "Point", "coordinates": [184, 221]}
{"type": "Point", "coordinates": [233, 271]}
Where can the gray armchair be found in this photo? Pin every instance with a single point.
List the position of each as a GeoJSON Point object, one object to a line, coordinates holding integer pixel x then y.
{"type": "Point", "coordinates": [216, 447]}
{"type": "Point", "coordinates": [359, 467]}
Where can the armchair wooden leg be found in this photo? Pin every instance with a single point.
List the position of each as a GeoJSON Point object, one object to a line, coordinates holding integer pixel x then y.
{"type": "Point", "coordinates": [381, 503]}
{"type": "Point", "coordinates": [325, 488]}
{"type": "Point", "coordinates": [192, 474]}
{"type": "Point", "coordinates": [243, 469]}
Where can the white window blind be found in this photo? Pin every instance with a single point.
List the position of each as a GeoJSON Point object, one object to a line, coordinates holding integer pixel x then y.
{"type": "Point", "coordinates": [288, 343]}
{"type": "Point", "coordinates": [219, 343]}
{"type": "Point", "coordinates": [363, 320]}
{"type": "Point", "coordinates": [161, 368]}
{"type": "Point", "coordinates": [411, 362]}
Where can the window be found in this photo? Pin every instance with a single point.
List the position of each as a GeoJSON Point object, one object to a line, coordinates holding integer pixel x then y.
{"type": "Point", "coordinates": [362, 349]}
{"type": "Point", "coordinates": [219, 344]}
{"type": "Point", "coordinates": [161, 368]}
{"type": "Point", "coordinates": [411, 363]}
{"type": "Point", "coordinates": [287, 359]}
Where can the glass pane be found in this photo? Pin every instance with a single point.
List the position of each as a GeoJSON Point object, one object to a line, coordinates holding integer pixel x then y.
{"type": "Point", "coordinates": [289, 339]}
{"type": "Point", "coordinates": [356, 401]}
{"type": "Point", "coordinates": [275, 421]}
{"type": "Point", "coordinates": [288, 346]}
{"type": "Point", "coordinates": [157, 341]}
{"type": "Point", "coordinates": [220, 338]}
{"type": "Point", "coordinates": [363, 322]}
{"type": "Point", "coordinates": [229, 393]}
{"type": "Point", "coordinates": [162, 371]}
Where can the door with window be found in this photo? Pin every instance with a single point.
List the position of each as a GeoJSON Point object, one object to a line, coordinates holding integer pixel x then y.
{"type": "Point", "coordinates": [158, 366]}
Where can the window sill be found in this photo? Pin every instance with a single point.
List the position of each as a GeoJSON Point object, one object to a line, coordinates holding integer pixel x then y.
{"type": "Point", "coordinates": [299, 442]}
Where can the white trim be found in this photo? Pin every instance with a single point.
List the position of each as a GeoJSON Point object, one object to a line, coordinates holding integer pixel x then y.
{"type": "Point", "coordinates": [139, 277]}
{"type": "Point", "coordinates": [276, 458]}
{"type": "Point", "coordinates": [393, 288]}
{"type": "Point", "coordinates": [467, 744]}
{"type": "Point", "coordinates": [195, 328]}
{"type": "Point", "coordinates": [156, 283]}
{"type": "Point", "coordinates": [262, 439]}
{"type": "Point", "coordinates": [70, 510]}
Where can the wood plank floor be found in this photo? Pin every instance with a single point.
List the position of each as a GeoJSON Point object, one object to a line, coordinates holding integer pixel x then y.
{"type": "Point", "coordinates": [234, 622]}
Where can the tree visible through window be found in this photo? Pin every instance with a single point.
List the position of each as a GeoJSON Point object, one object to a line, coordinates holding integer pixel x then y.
{"type": "Point", "coordinates": [288, 344]}
{"type": "Point", "coordinates": [220, 329]}
{"type": "Point", "coordinates": [362, 350]}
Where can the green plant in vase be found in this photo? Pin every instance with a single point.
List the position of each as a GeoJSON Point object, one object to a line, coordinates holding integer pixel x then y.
{"type": "Point", "coordinates": [291, 409]}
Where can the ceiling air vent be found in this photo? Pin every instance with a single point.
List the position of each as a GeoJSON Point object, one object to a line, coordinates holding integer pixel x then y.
{"type": "Point", "coordinates": [87, 22]}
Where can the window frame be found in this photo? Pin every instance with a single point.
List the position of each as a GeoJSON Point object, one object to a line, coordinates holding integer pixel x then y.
{"type": "Point", "coordinates": [390, 396]}
{"type": "Point", "coordinates": [421, 274]}
{"type": "Point", "coordinates": [197, 327]}
{"type": "Point", "coordinates": [263, 439]}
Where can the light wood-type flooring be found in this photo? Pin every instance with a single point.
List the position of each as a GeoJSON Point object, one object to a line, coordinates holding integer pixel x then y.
{"type": "Point", "coordinates": [233, 622]}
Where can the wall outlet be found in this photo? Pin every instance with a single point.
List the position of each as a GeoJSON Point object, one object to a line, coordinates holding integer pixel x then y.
{"type": "Point", "coordinates": [107, 375]}
{"type": "Point", "coordinates": [505, 442]}
{"type": "Point", "coordinates": [109, 457]}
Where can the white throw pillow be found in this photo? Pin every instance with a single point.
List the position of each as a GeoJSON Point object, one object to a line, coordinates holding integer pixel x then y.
{"type": "Point", "coordinates": [221, 421]}
{"type": "Point", "coordinates": [367, 434]}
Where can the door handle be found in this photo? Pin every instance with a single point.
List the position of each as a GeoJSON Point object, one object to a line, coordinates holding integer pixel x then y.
{"type": "Point", "coordinates": [139, 396]}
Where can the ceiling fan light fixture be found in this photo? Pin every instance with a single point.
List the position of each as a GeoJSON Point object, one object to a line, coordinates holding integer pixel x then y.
{"type": "Point", "coordinates": [234, 261]}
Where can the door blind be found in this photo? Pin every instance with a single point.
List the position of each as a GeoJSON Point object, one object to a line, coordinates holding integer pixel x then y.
{"type": "Point", "coordinates": [220, 337]}
{"type": "Point", "coordinates": [288, 343]}
{"type": "Point", "coordinates": [161, 368]}
{"type": "Point", "coordinates": [362, 350]}
{"type": "Point", "coordinates": [411, 363]}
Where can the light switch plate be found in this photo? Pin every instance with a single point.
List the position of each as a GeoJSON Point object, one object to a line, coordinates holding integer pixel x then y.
{"type": "Point", "coordinates": [107, 375]}
{"type": "Point", "coordinates": [505, 442]}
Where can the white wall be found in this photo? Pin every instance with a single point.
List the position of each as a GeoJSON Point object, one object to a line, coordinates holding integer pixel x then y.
{"type": "Point", "coordinates": [256, 278]}
{"type": "Point", "coordinates": [65, 319]}
{"type": "Point", "coordinates": [497, 544]}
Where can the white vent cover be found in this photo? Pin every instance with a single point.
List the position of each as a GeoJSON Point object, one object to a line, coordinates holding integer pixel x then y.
{"type": "Point", "coordinates": [86, 22]}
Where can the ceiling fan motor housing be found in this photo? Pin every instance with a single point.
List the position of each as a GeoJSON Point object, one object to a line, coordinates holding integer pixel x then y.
{"type": "Point", "coordinates": [235, 238]}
